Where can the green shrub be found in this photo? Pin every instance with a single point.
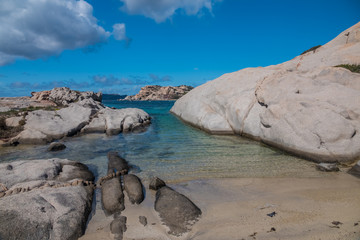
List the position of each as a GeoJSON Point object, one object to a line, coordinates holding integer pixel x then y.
{"type": "Point", "coordinates": [311, 49]}
{"type": "Point", "coordinates": [352, 67]}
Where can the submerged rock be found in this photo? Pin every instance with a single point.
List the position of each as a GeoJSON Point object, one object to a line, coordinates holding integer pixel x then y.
{"type": "Point", "coordinates": [40, 205]}
{"type": "Point", "coordinates": [176, 211]}
{"type": "Point", "coordinates": [305, 106]}
{"type": "Point", "coordinates": [56, 146]}
{"type": "Point", "coordinates": [133, 188]}
{"type": "Point", "coordinates": [117, 163]}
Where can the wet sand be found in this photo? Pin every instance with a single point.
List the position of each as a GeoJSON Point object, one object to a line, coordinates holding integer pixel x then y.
{"type": "Point", "coordinates": [237, 208]}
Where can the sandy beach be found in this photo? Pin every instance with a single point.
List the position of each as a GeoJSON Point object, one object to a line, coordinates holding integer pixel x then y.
{"type": "Point", "coordinates": [237, 208]}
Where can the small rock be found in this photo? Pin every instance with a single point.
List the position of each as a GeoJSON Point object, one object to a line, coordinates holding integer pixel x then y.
{"type": "Point", "coordinates": [271, 214]}
{"type": "Point", "coordinates": [133, 188]}
{"type": "Point", "coordinates": [327, 167]}
{"type": "Point", "coordinates": [56, 146]}
{"type": "Point", "coordinates": [336, 223]}
{"type": "Point", "coordinates": [9, 167]}
{"type": "Point", "coordinates": [143, 220]}
{"type": "Point", "coordinates": [156, 183]}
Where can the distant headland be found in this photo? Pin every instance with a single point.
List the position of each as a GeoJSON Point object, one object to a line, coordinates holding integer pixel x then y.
{"type": "Point", "coordinates": [158, 93]}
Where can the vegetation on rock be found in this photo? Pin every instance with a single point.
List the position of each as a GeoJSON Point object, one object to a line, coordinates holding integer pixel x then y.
{"type": "Point", "coordinates": [352, 67]}
{"type": "Point", "coordinates": [311, 49]}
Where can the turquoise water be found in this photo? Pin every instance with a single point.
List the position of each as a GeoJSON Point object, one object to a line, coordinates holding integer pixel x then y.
{"type": "Point", "coordinates": [173, 151]}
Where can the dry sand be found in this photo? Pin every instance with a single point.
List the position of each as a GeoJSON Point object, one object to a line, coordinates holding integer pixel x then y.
{"type": "Point", "coordinates": [237, 209]}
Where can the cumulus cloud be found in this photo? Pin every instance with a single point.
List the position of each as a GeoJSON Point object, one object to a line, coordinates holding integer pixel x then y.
{"type": "Point", "coordinates": [119, 31]}
{"type": "Point", "coordinates": [34, 29]}
{"type": "Point", "coordinates": [160, 10]}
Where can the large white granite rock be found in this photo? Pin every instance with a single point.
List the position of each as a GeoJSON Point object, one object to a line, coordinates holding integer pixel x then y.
{"type": "Point", "coordinates": [84, 116]}
{"type": "Point", "coordinates": [114, 121]}
{"type": "Point", "coordinates": [306, 106]}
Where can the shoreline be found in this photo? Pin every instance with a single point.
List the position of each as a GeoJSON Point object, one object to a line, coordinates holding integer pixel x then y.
{"type": "Point", "coordinates": [237, 208]}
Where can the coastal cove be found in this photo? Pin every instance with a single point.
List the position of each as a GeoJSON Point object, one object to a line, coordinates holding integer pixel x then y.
{"type": "Point", "coordinates": [172, 150]}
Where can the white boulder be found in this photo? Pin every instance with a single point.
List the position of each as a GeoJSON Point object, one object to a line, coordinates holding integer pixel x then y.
{"type": "Point", "coordinates": [306, 106]}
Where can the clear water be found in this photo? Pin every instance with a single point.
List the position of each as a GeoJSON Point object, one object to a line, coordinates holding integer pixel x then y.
{"type": "Point", "coordinates": [173, 151]}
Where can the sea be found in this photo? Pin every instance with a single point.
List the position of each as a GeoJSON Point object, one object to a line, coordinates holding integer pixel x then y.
{"type": "Point", "coordinates": [172, 150]}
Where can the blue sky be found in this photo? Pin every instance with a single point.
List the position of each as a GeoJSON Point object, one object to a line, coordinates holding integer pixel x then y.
{"type": "Point", "coordinates": [118, 46]}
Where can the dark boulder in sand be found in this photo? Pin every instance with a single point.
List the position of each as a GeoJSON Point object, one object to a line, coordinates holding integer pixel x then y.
{"type": "Point", "coordinates": [176, 211]}
{"type": "Point", "coordinates": [116, 163]}
{"type": "Point", "coordinates": [112, 195]}
{"type": "Point", "coordinates": [133, 188]}
{"type": "Point", "coordinates": [143, 220]}
{"type": "Point", "coordinates": [156, 183]}
{"type": "Point", "coordinates": [118, 227]}
{"type": "Point", "coordinates": [56, 146]}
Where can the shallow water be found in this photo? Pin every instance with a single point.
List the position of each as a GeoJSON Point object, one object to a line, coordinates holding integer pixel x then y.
{"type": "Point", "coordinates": [173, 151]}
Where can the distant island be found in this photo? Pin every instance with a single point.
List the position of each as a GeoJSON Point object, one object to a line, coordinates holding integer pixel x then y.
{"type": "Point", "coordinates": [156, 92]}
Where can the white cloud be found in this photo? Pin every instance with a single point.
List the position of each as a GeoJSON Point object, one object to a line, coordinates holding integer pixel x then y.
{"type": "Point", "coordinates": [34, 29]}
{"type": "Point", "coordinates": [160, 10]}
{"type": "Point", "coordinates": [119, 31]}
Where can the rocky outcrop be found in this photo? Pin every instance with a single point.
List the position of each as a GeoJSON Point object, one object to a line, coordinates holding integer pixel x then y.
{"type": "Point", "coordinates": [63, 96]}
{"type": "Point", "coordinates": [176, 211]}
{"type": "Point", "coordinates": [39, 202]}
{"type": "Point", "coordinates": [85, 116]}
{"type": "Point", "coordinates": [306, 106]}
{"type": "Point", "coordinates": [114, 121]}
{"type": "Point", "coordinates": [156, 92]}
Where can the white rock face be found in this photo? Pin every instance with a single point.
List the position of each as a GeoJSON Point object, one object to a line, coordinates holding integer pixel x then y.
{"type": "Point", "coordinates": [13, 121]}
{"type": "Point", "coordinates": [64, 96]}
{"type": "Point", "coordinates": [84, 116]}
{"type": "Point", "coordinates": [305, 106]}
{"type": "Point", "coordinates": [114, 121]}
